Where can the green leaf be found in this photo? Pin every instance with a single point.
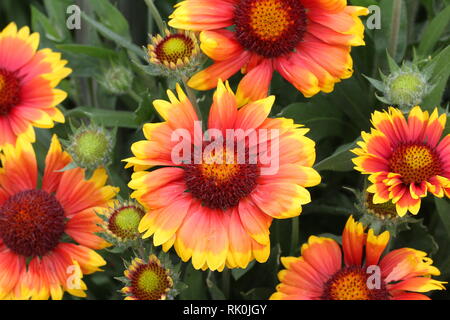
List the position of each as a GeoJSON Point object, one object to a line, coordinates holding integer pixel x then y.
{"type": "Point", "coordinates": [340, 160]}
{"type": "Point", "coordinates": [92, 51]}
{"type": "Point", "coordinates": [107, 118]}
{"type": "Point", "coordinates": [196, 285]}
{"type": "Point", "coordinates": [145, 112]}
{"type": "Point", "coordinates": [318, 116]}
{"type": "Point", "coordinates": [56, 11]}
{"type": "Point", "coordinates": [239, 273]}
{"type": "Point", "coordinates": [111, 17]}
{"type": "Point", "coordinates": [216, 293]}
{"type": "Point", "coordinates": [443, 209]}
{"type": "Point", "coordinates": [42, 24]}
{"type": "Point", "coordinates": [111, 35]}
{"type": "Point", "coordinates": [434, 30]}
{"type": "Point", "coordinates": [417, 236]}
{"type": "Point", "coordinates": [440, 72]}
{"type": "Point", "coordinates": [394, 33]}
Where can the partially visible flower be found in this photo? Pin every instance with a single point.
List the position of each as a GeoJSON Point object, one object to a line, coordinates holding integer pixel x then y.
{"type": "Point", "coordinates": [147, 280]}
{"type": "Point", "coordinates": [405, 159]}
{"type": "Point", "coordinates": [28, 78]}
{"type": "Point", "coordinates": [48, 230]}
{"type": "Point", "coordinates": [217, 209]}
{"type": "Point", "coordinates": [116, 78]}
{"type": "Point", "coordinates": [363, 273]}
{"type": "Point", "coordinates": [308, 42]}
{"type": "Point", "coordinates": [121, 222]}
{"type": "Point", "coordinates": [90, 146]}
{"type": "Point", "coordinates": [175, 53]}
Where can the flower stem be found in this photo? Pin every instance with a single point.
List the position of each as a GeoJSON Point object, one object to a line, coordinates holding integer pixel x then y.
{"type": "Point", "coordinates": [396, 16]}
{"type": "Point", "coordinates": [294, 236]}
{"type": "Point", "coordinates": [156, 15]}
{"type": "Point", "coordinates": [135, 96]}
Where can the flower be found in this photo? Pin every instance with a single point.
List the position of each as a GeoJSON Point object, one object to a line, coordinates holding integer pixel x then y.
{"type": "Point", "coordinates": [147, 280]}
{"type": "Point", "coordinates": [219, 212]}
{"type": "Point", "coordinates": [121, 222]}
{"type": "Point", "coordinates": [47, 233]}
{"type": "Point", "coordinates": [405, 86]}
{"type": "Point", "coordinates": [27, 85]}
{"type": "Point", "coordinates": [116, 78]}
{"type": "Point", "coordinates": [175, 52]}
{"type": "Point", "coordinates": [90, 146]}
{"type": "Point", "coordinates": [405, 159]}
{"type": "Point", "coordinates": [307, 41]}
{"type": "Point", "coordinates": [319, 274]}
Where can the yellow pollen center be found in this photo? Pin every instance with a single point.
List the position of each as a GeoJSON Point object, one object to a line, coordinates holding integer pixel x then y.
{"type": "Point", "coordinates": [174, 46]}
{"type": "Point", "coordinates": [220, 167]}
{"type": "Point", "coordinates": [149, 281]}
{"type": "Point", "coordinates": [269, 19]}
{"type": "Point", "coordinates": [415, 163]}
{"type": "Point", "coordinates": [350, 286]}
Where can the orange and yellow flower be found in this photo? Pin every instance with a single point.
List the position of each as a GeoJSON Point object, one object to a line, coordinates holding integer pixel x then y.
{"type": "Point", "coordinates": [219, 212]}
{"type": "Point", "coordinates": [28, 78]}
{"type": "Point", "coordinates": [147, 280]}
{"type": "Point", "coordinates": [405, 159]}
{"type": "Point", "coordinates": [364, 274]}
{"type": "Point", "coordinates": [47, 233]}
{"type": "Point", "coordinates": [307, 41]}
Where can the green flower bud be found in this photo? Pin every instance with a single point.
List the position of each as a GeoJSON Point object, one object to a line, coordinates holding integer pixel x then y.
{"type": "Point", "coordinates": [90, 147]}
{"type": "Point", "coordinates": [406, 87]}
{"type": "Point", "coordinates": [117, 79]}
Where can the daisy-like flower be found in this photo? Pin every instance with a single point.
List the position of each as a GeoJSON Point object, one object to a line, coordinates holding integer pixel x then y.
{"type": "Point", "coordinates": [147, 280]}
{"type": "Point", "coordinates": [175, 52]}
{"type": "Point", "coordinates": [28, 78]}
{"type": "Point", "coordinates": [363, 273]}
{"type": "Point", "coordinates": [47, 233]}
{"type": "Point", "coordinates": [219, 212]}
{"type": "Point", "coordinates": [307, 41]}
{"type": "Point", "coordinates": [405, 159]}
{"type": "Point", "coordinates": [121, 222]}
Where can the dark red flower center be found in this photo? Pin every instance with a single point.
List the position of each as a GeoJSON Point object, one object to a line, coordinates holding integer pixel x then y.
{"type": "Point", "coordinates": [150, 282]}
{"type": "Point", "coordinates": [270, 28]}
{"type": "Point", "coordinates": [173, 48]}
{"type": "Point", "coordinates": [31, 223]}
{"type": "Point", "coordinates": [353, 283]}
{"type": "Point", "coordinates": [222, 178]}
{"type": "Point", "coordinates": [415, 162]}
{"type": "Point", "coordinates": [9, 91]}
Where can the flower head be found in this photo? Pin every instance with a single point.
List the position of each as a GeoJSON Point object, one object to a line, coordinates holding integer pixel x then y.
{"type": "Point", "coordinates": [148, 280]}
{"type": "Point", "coordinates": [175, 52]}
{"type": "Point", "coordinates": [405, 159]}
{"type": "Point", "coordinates": [308, 42]}
{"type": "Point", "coordinates": [357, 271]}
{"type": "Point", "coordinates": [216, 205]}
{"type": "Point", "coordinates": [90, 146]}
{"type": "Point", "coordinates": [28, 78]}
{"type": "Point", "coordinates": [405, 86]}
{"type": "Point", "coordinates": [116, 78]}
{"type": "Point", "coordinates": [121, 222]}
{"type": "Point", "coordinates": [47, 233]}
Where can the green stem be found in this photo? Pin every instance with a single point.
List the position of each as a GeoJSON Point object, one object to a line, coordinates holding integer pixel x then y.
{"type": "Point", "coordinates": [226, 282]}
{"type": "Point", "coordinates": [156, 15]}
{"type": "Point", "coordinates": [396, 15]}
{"type": "Point", "coordinates": [135, 96]}
{"type": "Point", "coordinates": [192, 97]}
{"type": "Point", "coordinates": [295, 236]}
